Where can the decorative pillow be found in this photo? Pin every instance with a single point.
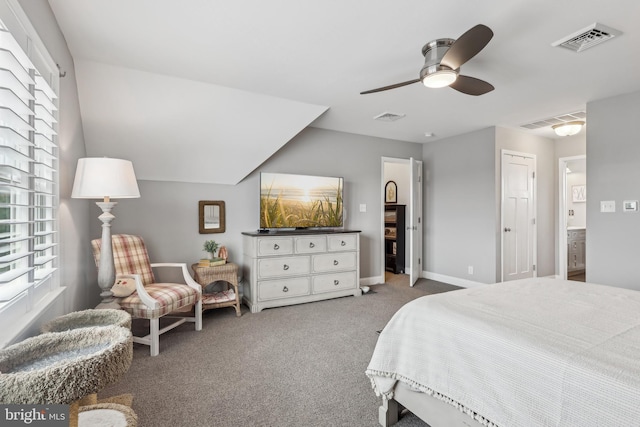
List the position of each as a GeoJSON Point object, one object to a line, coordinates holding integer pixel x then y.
{"type": "Point", "coordinates": [123, 288]}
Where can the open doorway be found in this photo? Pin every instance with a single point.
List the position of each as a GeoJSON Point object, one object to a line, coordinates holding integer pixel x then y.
{"type": "Point", "coordinates": [572, 218]}
{"type": "Point", "coordinates": [401, 229]}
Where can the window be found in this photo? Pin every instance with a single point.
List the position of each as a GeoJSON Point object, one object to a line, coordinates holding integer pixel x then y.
{"type": "Point", "coordinates": [28, 181]}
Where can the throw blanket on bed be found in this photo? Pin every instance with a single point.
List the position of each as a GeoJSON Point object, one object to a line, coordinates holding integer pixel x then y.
{"type": "Point", "coordinates": [534, 352]}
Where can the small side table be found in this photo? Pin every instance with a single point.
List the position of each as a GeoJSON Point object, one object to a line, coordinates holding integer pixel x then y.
{"type": "Point", "coordinates": [227, 273]}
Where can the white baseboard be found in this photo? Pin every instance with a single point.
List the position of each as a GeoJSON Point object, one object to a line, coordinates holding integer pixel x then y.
{"type": "Point", "coordinates": [463, 283]}
{"type": "Point", "coordinates": [368, 281]}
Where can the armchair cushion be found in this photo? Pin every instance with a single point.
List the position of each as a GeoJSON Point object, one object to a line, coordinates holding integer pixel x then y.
{"type": "Point", "coordinates": [172, 297]}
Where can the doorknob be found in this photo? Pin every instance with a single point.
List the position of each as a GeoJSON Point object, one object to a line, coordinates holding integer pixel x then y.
{"type": "Point", "coordinates": [507, 229]}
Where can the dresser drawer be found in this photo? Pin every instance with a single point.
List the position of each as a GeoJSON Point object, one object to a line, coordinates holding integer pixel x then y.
{"type": "Point", "coordinates": [342, 242]}
{"type": "Point", "coordinates": [283, 288]}
{"type": "Point", "coordinates": [275, 246]}
{"type": "Point", "coordinates": [334, 262]}
{"type": "Point", "coordinates": [282, 266]}
{"type": "Point", "coordinates": [334, 282]}
{"type": "Point", "coordinates": [310, 244]}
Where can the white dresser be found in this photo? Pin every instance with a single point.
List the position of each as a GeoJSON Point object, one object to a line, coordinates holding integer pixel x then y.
{"type": "Point", "coordinates": [297, 267]}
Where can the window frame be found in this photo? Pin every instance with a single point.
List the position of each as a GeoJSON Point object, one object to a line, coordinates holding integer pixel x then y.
{"type": "Point", "coordinates": [21, 306]}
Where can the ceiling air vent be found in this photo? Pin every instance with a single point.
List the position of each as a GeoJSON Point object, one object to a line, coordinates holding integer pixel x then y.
{"type": "Point", "coordinates": [578, 115]}
{"type": "Point", "coordinates": [388, 117]}
{"type": "Point", "coordinates": [588, 37]}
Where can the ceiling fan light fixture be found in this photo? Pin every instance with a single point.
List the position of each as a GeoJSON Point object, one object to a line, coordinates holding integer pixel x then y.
{"type": "Point", "coordinates": [568, 128]}
{"type": "Point", "coordinates": [441, 78]}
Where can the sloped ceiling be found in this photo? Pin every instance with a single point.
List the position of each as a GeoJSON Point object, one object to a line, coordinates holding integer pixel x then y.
{"type": "Point", "coordinates": [247, 75]}
{"type": "Point", "coordinates": [175, 129]}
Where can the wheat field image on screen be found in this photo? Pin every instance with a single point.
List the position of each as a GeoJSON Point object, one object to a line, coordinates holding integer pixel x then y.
{"type": "Point", "coordinates": [289, 201]}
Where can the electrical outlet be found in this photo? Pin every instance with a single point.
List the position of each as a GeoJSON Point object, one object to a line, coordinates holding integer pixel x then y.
{"type": "Point", "coordinates": [470, 269]}
{"type": "Point", "coordinates": [363, 207]}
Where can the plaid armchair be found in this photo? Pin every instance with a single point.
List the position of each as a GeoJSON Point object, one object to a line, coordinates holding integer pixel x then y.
{"type": "Point", "coordinates": [138, 293]}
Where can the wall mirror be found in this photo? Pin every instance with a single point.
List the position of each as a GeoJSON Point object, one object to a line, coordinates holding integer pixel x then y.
{"type": "Point", "coordinates": [211, 216]}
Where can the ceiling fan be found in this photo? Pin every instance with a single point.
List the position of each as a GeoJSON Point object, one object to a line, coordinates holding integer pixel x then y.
{"type": "Point", "coordinates": [442, 61]}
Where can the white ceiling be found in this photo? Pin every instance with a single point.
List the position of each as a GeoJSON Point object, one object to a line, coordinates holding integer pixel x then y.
{"type": "Point", "coordinates": [201, 75]}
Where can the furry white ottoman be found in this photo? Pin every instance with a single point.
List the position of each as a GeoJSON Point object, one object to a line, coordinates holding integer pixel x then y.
{"type": "Point", "coordinates": [88, 318]}
{"type": "Point", "coordinates": [61, 367]}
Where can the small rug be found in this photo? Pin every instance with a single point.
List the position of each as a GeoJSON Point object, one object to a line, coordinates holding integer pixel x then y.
{"type": "Point", "coordinates": [107, 415]}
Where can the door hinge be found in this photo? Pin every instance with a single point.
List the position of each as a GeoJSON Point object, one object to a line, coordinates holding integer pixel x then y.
{"type": "Point", "coordinates": [533, 221]}
{"type": "Point", "coordinates": [533, 175]}
{"type": "Point", "coordinates": [534, 267]}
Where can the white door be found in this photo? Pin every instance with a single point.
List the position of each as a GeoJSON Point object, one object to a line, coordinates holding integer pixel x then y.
{"type": "Point", "coordinates": [518, 215]}
{"type": "Point", "coordinates": [414, 227]}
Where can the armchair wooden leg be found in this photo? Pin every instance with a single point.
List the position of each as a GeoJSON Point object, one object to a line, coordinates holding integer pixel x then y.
{"type": "Point", "coordinates": [198, 314]}
{"type": "Point", "coordinates": [154, 335]}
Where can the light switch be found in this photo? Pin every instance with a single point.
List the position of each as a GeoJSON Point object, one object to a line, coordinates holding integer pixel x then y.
{"type": "Point", "coordinates": [608, 206]}
{"type": "Point", "coordinates": [363, 207]}
{"type": "Point", "coordinates": [630, 206]}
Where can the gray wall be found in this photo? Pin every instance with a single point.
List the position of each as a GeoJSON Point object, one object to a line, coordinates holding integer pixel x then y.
{"type": "Point", "coordinates": [613, 173]}
{"type": "Point", "coordinates": [459, 206]}
{"type": "Point", "coordinates": [166, 214]}
{"type": "Point", "coordinates": [463, 206]}
{"type": "Point", "coordinates": [75, 270]}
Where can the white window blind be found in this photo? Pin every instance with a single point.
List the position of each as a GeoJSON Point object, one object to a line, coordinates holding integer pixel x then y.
{"type": "Point", "coordinates": [28, 182]}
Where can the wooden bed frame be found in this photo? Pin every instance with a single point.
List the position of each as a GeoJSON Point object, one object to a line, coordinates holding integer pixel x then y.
{"type": "Point", "coordinates": [429, 409]}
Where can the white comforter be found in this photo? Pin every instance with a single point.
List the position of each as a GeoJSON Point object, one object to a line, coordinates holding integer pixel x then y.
{"type": "Point", "coordinates": [536, 352]}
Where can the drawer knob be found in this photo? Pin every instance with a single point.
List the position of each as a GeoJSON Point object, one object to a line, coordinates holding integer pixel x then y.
{"type": "Point", "coordinates": [336, 282]}
{"type": "Point", "coordinates": [276, 247]}
{"type": "Point", "coordinates": [335, 262]}
{"type": "Point", "coordinates": [343, 243]}
{"type": "Point", "coordinates": [285, 267]}
{"type": "Point", "coordinates": [285, 289]}
{"type": "Point", "coordinates": [312, 245]}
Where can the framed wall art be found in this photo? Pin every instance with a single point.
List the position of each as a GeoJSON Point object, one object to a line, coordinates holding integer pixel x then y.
{"type": "Point", "coordinates": [579, 193]}
{"type": "Point", "coordinates": [391, 192]}
{"type": "Point", "coordinates": [211, 216]}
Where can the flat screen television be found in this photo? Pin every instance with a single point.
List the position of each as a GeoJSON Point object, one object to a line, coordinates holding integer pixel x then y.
{"type": "Point", "coordinates": [289, 201]}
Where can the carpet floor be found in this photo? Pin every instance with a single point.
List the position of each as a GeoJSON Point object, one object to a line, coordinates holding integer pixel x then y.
{"type": "Point", "coordinates": [301, 365]}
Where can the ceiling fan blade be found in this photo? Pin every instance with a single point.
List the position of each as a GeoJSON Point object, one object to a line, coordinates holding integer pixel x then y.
{"type": "Point", "coordinates": [467, 46]}
{"type": "Point", "coordinates": [471, 85]}
{"type": "Point", "coordinates": [380, 89]}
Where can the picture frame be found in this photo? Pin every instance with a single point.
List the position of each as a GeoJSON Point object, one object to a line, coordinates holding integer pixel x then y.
{"type": "Point", "coordinates": [579, 193]}
{"type": "Point", "coordinates": [391, 192]}
{"type": "Point", "coordinates": [211, 216]}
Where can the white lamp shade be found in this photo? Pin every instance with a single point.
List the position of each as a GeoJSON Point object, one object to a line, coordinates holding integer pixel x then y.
{"type": "Point", "coordinates": [102, 177]}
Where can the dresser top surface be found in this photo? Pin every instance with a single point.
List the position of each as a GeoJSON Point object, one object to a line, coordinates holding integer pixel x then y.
{"type": "Point", "coordinates": [282, 233]}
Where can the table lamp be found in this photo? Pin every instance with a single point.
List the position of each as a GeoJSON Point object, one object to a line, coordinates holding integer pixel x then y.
{"type": "Point", "coordinates": [105, 178]}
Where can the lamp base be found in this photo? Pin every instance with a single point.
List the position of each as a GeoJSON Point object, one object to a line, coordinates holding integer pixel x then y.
{"type": "Point", "coordinates": [106, 269]}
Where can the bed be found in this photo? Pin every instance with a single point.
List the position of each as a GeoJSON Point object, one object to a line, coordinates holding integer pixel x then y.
{"type": "Point", "coordinates": [533, 352]}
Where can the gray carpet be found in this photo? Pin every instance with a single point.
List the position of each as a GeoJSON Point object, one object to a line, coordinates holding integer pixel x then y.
{"type": "Point", "coordinates": [300, 366]}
